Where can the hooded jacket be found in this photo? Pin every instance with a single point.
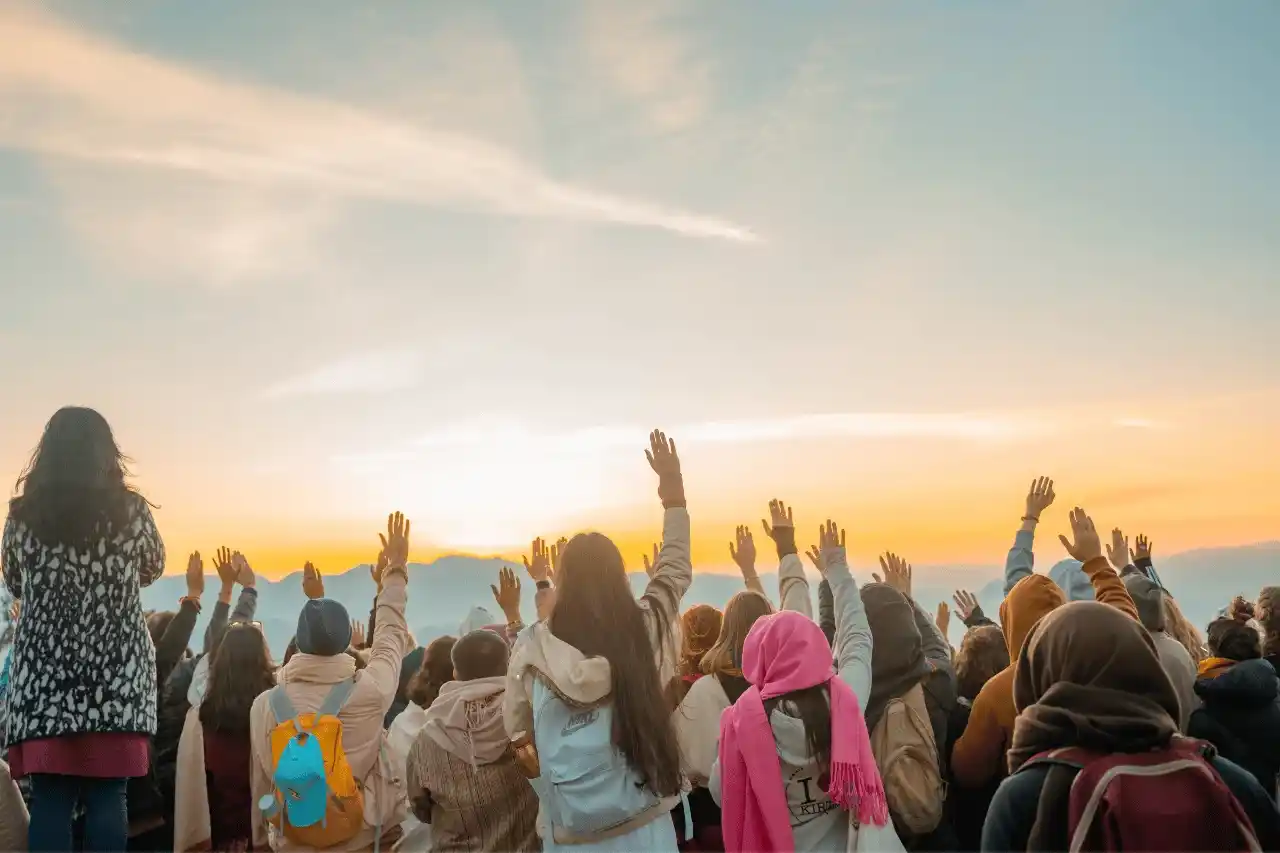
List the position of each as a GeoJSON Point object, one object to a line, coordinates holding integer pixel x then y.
{"type": "Point", "coordinates": [979, 754]}
{"type": "Point", "coordinates": [1241, 717]}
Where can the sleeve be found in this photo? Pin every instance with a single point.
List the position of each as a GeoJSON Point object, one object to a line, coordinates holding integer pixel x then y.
{"type": "Point", "coordinates": [260, 785]}
{"type": "Point", "coordinates": [11, 558]}
{"type": "Point", "coordinates": [217, 624]}
{"type": "Point", "coordinates": [978, 619]}
{"type": "Point", "coordinates": [713, 782]}
{"type": "Point", "coordinates": [935, 646]}
{"type": "Point", "coordinates": [1108, 588]}
{"type": "Point", "coordinates": [419, 793]}
{"type": "Point", "coordinates": [671, 578]}
{"type": "Point", "coordinates": [1021, 560]}
{"type": "Point", "coordinates": [827, 612]}
{"type": "Point", "coordinates": [1144, 565]}
{"type": "Point", "coordinates": [793, 586]}
{"type": "Point", "coordinates": [246, 608]}
{"type": "Point", "coordinates": [978, 755]}
{"type": "Point", "coordinates": [517, 709]}
{"type": "Point", "coordinates": [148, 547]}
{"type": "Point", "coordinates": [544, 601]}
{"type": "Point", "coordinates": [392, 643]}
{"type": "Point", "coordinates": [1013, 812]}
{"type": "Point", "coordinates": [1255, 801]}
{"type": "Point", "coordinates": [173, 644]}
{"type": "Point", "coordinates": [373, 622]}
{"type": "Point", "coordinates": [853, 632]}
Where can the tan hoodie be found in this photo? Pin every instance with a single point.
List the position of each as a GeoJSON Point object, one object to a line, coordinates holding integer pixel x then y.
{"type": "Point", "coordinates": [308, 679]}
{"type": "Point", "coordinates": [979, 755]}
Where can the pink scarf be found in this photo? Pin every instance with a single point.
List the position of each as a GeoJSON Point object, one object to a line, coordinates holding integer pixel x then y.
{"type": "Point", "coordinates": [786, 652]}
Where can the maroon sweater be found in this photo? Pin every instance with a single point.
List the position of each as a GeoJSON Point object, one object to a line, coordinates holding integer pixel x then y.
{"type": "Point", "coordinates": [227, 770]}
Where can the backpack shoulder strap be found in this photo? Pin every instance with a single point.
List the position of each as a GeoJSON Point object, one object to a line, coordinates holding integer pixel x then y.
{"type": "Point", "coordinates": [1052, 827]}
{"type": "Point", "coordinates": [281, 706]}
{"type": "Point", "coordinates": [337, 699]}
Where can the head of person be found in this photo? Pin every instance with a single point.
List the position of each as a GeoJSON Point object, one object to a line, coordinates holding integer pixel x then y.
{"type": "Point", "coordinates": [436, 671]}
{"type": "Point", "coordinates": [1069, 575]}
{"type": "Point", "coordinates": [240, 669]}
{"type": "Point", "coordinates": [324, 628]}
{"type": "Point", "coordinates": [1089, 676]}
{"type": "Point", "coordinates": [1148, 598]}
{"type": "Point", "coordinates": [982, 654]}
{"type": "Point", "coordinates": [897, 655]}
{"type": "Point", "coordinates": [1233, 638]}
{"type": "Point", "coordinates": [158, 622]}
{"type": "Point", "coordinates": [75, 481]}
{"type": "Point", "coordinates": [1267, 612]}
{"type": "Point", "coordinates": [480, 654]}
{"type": "Point", "coordinates": [789, 647]}
{"type": "Point", "coordinates": [1031, 599]}
{"type": "Point", "coordinates": [742, 612]}
{"type": "Point", "coordinates": [597, 614]}
{"type": "Point", "coordinates": [1180, 628]}
{"type": "Point", "coordinates": [699, 630]}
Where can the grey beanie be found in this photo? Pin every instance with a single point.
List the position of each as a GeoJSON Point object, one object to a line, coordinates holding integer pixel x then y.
{"type": "Point", "coordinates": [1148, 597]}
{"type": "Point", "coordinates": [324, 628]}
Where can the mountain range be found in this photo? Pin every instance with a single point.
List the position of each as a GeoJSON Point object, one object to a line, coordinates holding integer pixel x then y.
{"type": "Point", "coordinates": [443, 592]}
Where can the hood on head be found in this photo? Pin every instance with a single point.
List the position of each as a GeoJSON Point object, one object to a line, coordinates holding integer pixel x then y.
{"type": "Point", "coordinates": [477, 620]}
{"type": "Point", "coordinates": [1148, 598]}
{"type": "Point", "coordinates": [1070, 577]}
{"type": "Point", "coordinates": [1027, 603]}
{"type": "Point", "coordinates": [1249, 682]}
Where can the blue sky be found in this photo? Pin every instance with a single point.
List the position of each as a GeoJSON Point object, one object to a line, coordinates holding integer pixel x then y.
{"type": "Point", "coordinates": [300, 232]}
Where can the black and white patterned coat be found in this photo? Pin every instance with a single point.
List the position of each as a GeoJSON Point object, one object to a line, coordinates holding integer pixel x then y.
{"type": "Point", "coordinates": [83, 660]}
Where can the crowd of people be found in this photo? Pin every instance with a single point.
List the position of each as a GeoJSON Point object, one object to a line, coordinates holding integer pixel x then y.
{"type": "Point", "coordinates": [1092, 715]}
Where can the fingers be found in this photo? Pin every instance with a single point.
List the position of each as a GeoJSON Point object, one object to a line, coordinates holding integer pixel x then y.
{"type": "Point", "coordinates": [876, 578]}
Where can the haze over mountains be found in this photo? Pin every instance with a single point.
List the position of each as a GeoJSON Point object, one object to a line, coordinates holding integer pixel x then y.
{"type": "Point", "coordinates": [443, 592]}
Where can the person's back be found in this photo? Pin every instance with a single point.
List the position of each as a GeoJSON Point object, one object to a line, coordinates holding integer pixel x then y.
{"type": "Point", "coordinates": [1149, 599]}
{"type": "Point", "coordinates": [462, 775]}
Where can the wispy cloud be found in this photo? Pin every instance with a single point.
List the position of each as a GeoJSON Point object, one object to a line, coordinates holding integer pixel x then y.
{"type": "Point", "coordinates": [69, 95]}
{"type": "Point", "coordinates": [366, 373]}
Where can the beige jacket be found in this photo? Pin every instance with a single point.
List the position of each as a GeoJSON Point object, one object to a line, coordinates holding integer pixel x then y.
{"type": "Point", "coordinates": [13, 813]}
{"type": "Point", "coordinates": [308, 680]}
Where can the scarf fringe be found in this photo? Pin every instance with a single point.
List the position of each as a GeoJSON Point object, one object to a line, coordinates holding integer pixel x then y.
{"type": "Point", "coordinates": [853, 791]}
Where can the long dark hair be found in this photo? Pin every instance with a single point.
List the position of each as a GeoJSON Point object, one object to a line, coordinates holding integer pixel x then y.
{"type": "Point", "coordinates": [596, 614]}
{"type": "Point", "coordinates": [436, 671]}
{"type": "Point", "coordinates": [240, 669]}
{"type": "Point", "coordinates": [812, 706]}
{"type": "Point", "coordinates": [75, 481]}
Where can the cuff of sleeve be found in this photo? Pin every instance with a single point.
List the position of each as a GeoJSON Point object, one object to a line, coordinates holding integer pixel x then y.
{"type": "Point", "coordinates": [785, 539]}
{"type": "Point", "coordinates": [671, 491]}
{"type": "Point", "coordinates": [977, 617]}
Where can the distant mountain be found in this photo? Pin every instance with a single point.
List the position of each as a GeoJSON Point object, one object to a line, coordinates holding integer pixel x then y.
{"type": "Point", "coordinates": [443, 592]}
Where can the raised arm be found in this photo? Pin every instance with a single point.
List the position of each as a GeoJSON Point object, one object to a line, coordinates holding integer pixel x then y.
{"type": "Point", "coordinates": [391, 644]}
{"type": "Point", "coordinates": [826, 601]}
{"type": "Point", "coordinates": [1142, 559]}
{"type": "Point", "coordinates": [1021, 559]}
{"type": "Point", "coordinates": [673, 572]}
{"type": "Point", "coordinates": [853, 643]}
{"type": "Point", "coordinates": [172, 645]}
{"type": "Point", "coordinates": [970, 610]}
{"type": "Point", "coordinates": [1087, 548]}
{"type": "Point", "coordinates": [793, 586]}
{"type": "Point", "coordinates": [743, 552]}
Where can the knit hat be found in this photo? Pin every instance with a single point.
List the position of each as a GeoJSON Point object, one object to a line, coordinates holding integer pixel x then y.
{"type": "Point", "coordinates": [324, 628]}
{"type": "Point", "coordinates": [1148, 598]}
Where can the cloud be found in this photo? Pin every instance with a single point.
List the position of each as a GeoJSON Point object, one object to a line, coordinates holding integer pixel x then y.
{"type": "Point", "coordinates": [367, 373]}
{"type": "Point", "coordinates": [1139, 423]}
{"type": "Point", "coordinates": [71, 96]}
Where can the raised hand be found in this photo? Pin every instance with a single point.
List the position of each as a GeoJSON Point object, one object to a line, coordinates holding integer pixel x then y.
{"type": "Point", "coordinates": [830, 536]}
{"type": "Point", "coordinates": [195, 576]}
{"type": "Point", "coordinates": [815, 556]}
{"type": "Point", "coordinates": [312, 583]}
{"type": "Point", "coordinates": [1040, 497]}
{"type": "Point", "coordinates": [378, 569]}
{"type": "Point", "coordinates": [1087, 546]}
{"type": "Point", "coordinates": [357, 634]}
{"type": "Point", "coordinates": [943, 618]}
{"type": "Point", "coordinates": [665, 462]}
{"type": "Point", "coordinates": [507, 594]}
{"type": "Point", "coordinates": [1141, 548]}
{"type": "Point", "coordinates": [780, 517]}
{"type": "Point", "coordinates": [1118, 550]}
{"type": "Point", "coordinates": [966, 602]}
{"type": "Point", "coordinates": [244, 572]}
{"type": "Point", "coordinates": [538, 564]}
{"type": "Point", "coordinates": [897, 573]}
{"type": "Point", "coordinates": [395, 545]}
{"type": "Point", "coordinates": [222, 564]}
{"type": "Point", "coordinates": [743, 550]}
{"type": "Point", "coordinates": [651, 566]}
{"type": "Point", "coordinates": [556, 550]}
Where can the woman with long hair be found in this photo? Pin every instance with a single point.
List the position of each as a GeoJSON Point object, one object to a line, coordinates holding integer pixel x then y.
{"type": "Point", "coordinates": [435, 671]}
{"type": "Point", "coordinates": [78, 546]}
{"type": "Point", "coordinates": [213, 802]}
{"type": "Point", "coordinates": [699, 630]}
{"type": "Point", "coordinates": [1181, 629]}
{"type": "Point", "coordinates": [584, 701]}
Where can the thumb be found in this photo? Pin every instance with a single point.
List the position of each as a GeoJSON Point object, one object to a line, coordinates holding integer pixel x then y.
{"type": "Point", "coordinates": [495, 590]}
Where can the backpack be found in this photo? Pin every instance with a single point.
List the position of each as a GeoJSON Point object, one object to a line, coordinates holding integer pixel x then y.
{"type": "Point", "coordinates": [1169, 799]}
{"type": "Point", "coordinates": [907, 754]}
{"type": "Point", "coordinates": [586, 787]}
{"type": "Point", "coordinates": [317, 802]}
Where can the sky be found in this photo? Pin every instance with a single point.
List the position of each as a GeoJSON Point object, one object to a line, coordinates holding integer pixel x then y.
{"type": "Point", "coordinates": [316, 261]}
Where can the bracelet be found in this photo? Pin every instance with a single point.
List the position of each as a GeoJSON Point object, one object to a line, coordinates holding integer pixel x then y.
{"type": "Point", "coordinates": [544, 584]}
{"type": "Point", "coordinates": [1034, 518]}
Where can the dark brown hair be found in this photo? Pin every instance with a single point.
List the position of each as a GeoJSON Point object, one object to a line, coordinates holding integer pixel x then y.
{"type": "Point", "coordinates": [982, 654]}
{"type": "Point", "coordinates": [480, 654]}
{"type": "Point", "coordinates": [436, 671]}
{"type": "Point", "coordinates": [157, 623]}
{"type": "Point", "coordinates": [596, 613]}
{"type": "Point", "coordinates": [1232, 637]}
{"type": "Point", "coordinates": [240, 669]}
{"type": "Point", "coordinates": [812, 706]}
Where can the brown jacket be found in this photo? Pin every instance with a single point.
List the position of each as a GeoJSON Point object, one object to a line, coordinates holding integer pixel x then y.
{"type": "Point", "coordinates": [308, 680]}
{"type": "Point", "coordinates": [979, 754]}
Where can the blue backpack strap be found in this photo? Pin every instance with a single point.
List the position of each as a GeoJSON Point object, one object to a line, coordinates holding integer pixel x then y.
{"type": "Point", "coordinates": [282, 707]}
{"type": "Point", "coordinates": [337, 699]}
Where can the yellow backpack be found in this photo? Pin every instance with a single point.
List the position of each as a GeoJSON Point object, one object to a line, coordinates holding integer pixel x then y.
{"type": "Point", "coordinates": [317, 802]}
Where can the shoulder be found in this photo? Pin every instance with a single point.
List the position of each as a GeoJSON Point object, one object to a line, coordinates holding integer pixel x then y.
{"type": "Point", "coordinates": [1255, 801]}
{"type": "Point", "coordinates": [706, 694]}
{"type": "Point", "coordinates": [1013, 810]}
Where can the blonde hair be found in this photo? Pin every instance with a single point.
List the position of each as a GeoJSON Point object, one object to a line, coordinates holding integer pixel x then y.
{"type": "Point", "coordinates": [740, 614]}
{"type": "Point", "coordinates": [1177, 626]}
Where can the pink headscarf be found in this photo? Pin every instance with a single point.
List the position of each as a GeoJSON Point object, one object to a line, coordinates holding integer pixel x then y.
{"type": "Point", "coordinates": [786, 652]}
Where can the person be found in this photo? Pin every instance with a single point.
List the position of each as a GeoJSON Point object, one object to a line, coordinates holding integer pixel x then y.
{"type": "Point", "coordinates": [699, 629]}
{"type": "Point", "coordinates": [1149, 600]}
{"type": "Point", "coordinates": [463, 777]}
{"type": "Point", "coordinates": [794, 769]}
{"type": "Point", "coordinates": [1182, 630]}
{"type": "Point", "coordinates": [1267, 612]}
{"type": "Point", "coordinates": [436, 671]}
{"type": "Point", "coordinates": [310, 678]}
{"type": "Point", "coordinates": [982, 654]}
{"type": "Point", "coordinates": [599, 649]}
{"type": "Point", "coordinates": [213, 800]}
{"type": "Point", "coordinates": [1088, 677]}
{"type": "Point", "coordinates": [78, 546]}
{"type": "Point", "coordinates": [978, 756]}
{"type": "Point", "coordinates": [1240, 696]}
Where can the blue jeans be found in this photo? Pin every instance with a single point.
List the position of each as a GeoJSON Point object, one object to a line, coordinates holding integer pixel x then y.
{"type": "Point", "coordinates": [53, 805]}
